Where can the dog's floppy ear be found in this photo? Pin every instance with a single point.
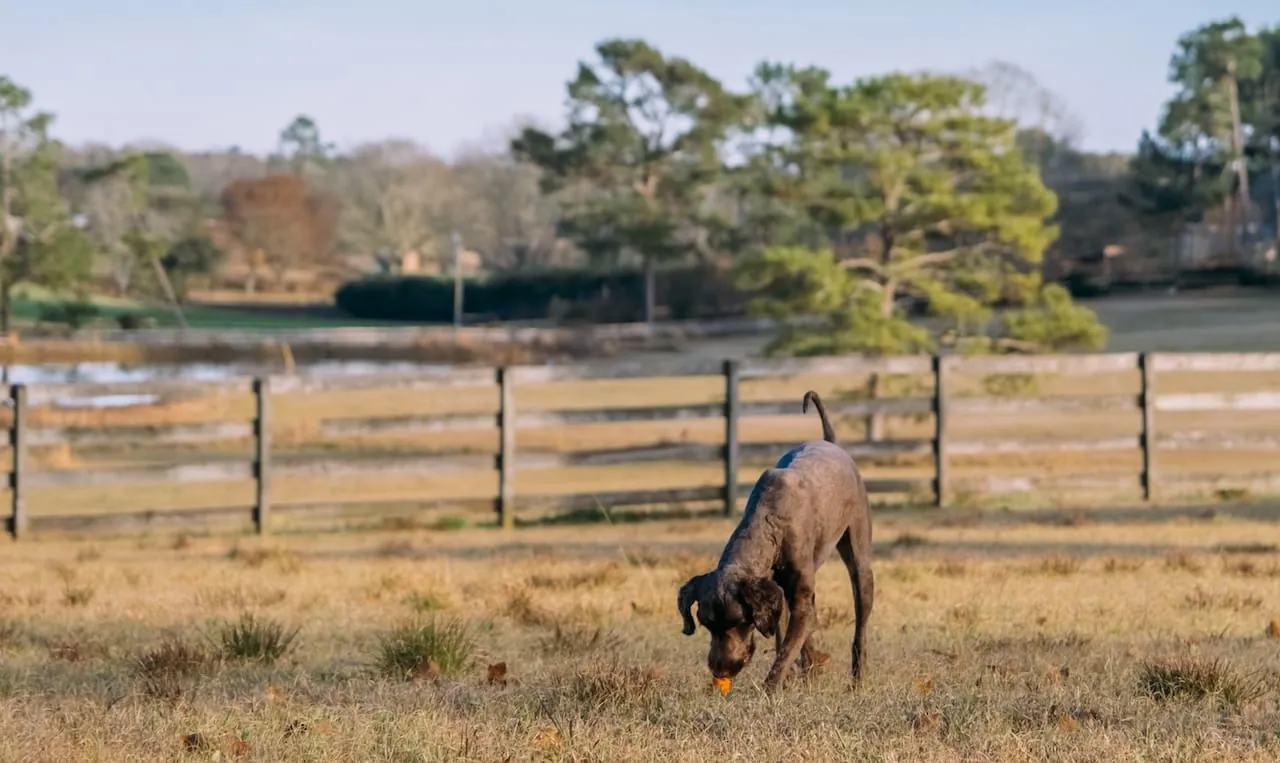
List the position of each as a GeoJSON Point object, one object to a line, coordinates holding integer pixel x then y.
{"type": "Point", "coordinates": [763, 599]}
{"type": "Point", "coordinates": [688, 594]}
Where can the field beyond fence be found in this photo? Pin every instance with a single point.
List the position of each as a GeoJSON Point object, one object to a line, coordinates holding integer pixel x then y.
{"type": "Point", "coordinates": [520, 443]}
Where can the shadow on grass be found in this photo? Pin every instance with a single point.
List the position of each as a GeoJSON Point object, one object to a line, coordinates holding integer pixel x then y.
{"type": "Point", "coordinates": [600, 516]}
{"type": "Point", "coordinates": [595, 515]}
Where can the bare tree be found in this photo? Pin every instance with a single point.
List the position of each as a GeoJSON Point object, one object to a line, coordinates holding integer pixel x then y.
{"type": "Point", "coordinates": [508, 217]}
{"type": "Point", "coordinates": [398, 199]}
{"type": "Point", "coordinates": [108, 205]}
{"type": "Point", "coordinates": [1015, 93]}
{"type": "Point", "coordinates": [212, 171]}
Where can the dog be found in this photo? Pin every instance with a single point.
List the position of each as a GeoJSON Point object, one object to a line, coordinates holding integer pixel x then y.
{"type": "Point", "coordinates": [811, 503]}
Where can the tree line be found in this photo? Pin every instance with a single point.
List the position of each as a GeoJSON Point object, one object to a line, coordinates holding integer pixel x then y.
{"type": "Point", "coordinates": [895, 212]}
{"type": "Point", "coordinates": [1218, 136]}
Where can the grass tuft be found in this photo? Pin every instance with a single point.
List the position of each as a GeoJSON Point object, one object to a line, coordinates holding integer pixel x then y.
{"type": "Point", "coordinates": [449, 524]}
{"type": "Point", "coordinates": [77, 596]}
{"type": "Point", "coordinates": [1205, 601]}
{"type": "Point", "coordinates": [425, 601]}
{"type": "Point", "coordinates": [523, 610]}
{"type": "Point", "coordinates": [951, 567]}
{"type": "Point", "coordinates": [1250, 568]}
{"type": "Point", "coordinates": [1183, 561]}
{"type": "Point", "coordinates": [606, 685]}
{"type": "Point", "coordinates": [88, 554]}
{"type": "Point", "coordinates": [1198, 678]}
{"type": "Point", "coordinates": [13, 633]}
{"type": "Point", "coordinates": [426, 648]}
{"type": "Point", "coordinates": [908, 540]}
{"type": "Point", "coordinates": [257, 639]}
{"type": "Point", "coordinates": [1060, 565]}
{"type": "Point", "coordinates": [577, 640]}
{"type": "Point", "coordinates": [1116, 565]}
{"type": "Point", "coordinates": [286, 561]}
{"type": "Point", "coordinates": [166, 671]}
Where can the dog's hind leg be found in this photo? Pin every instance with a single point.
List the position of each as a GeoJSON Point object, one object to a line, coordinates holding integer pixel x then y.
{"type": "Point", "coordinates": [863, 582]}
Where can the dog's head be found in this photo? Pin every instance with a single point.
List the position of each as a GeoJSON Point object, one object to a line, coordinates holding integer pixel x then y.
{"type": "Point", "coordinates": [731, 606]}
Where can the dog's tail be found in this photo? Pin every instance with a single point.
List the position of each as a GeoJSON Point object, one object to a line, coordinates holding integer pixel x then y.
{"type": "Point", "coordinates": [828, 433]}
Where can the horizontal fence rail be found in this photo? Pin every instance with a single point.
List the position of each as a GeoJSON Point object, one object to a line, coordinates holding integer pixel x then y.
{"type": "Point", "coordinates": [242, 465]}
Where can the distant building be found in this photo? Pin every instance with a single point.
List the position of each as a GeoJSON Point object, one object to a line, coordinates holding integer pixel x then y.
{"type": "Point", "coordinates": [470, 261]}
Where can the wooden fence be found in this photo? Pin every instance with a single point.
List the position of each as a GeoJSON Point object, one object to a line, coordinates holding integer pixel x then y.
{"type": "Point", "coordinates": [184, 455]}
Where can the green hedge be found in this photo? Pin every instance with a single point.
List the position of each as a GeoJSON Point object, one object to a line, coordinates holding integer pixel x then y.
{"type": "Point", "coordinates": [595, 296]}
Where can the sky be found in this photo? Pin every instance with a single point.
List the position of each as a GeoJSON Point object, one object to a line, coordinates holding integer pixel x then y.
{"type": "Point", "coordinates": [209, 74]}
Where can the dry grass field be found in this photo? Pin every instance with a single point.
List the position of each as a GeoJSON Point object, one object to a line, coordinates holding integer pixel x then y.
{"type": "Point", "coordinates": [1001, 639]}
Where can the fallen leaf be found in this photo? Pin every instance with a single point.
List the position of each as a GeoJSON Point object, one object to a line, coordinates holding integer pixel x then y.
{"type": "Point", "coordinates": [239, 748]}
{"type": "Point", "coordinates": [297, 728]}
{"type": "Point", "coordinates": [427, 671]}
{"type": "Point", "coordinates": [1068, 723]}
{"type": "Point", "coordinates": [926, 722]}
{"type": "Point", "coordinates": [723, 684]}
{"type": "Point", "coordinates": [547, 738]}
{"type": "Point", "coordinates": [194, 742]}
{"type": "Point", "coordinates": [497, 674]}
{"type": "Point", "coordinates": [1273, 628]}
{"type": "Point", "coordinates": [924, 685]}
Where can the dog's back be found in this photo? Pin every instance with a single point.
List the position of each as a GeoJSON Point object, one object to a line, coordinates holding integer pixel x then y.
{"type": "Point", "coordinates": [810, 496]}
{"type": "Point", "coordinates": [813, 493]}
{"type": "Point", "coordinates": [814, 451]}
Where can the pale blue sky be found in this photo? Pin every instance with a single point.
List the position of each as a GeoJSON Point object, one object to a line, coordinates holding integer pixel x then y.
{"type": "Point", "coordinates": [214, 73]}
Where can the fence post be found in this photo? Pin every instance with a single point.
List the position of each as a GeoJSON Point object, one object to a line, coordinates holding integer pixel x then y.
{"type": "Point", "coordinates": [1147, 399]}
{"type": "Point", "coordinates": [874, 422]}
{"type": "Point", "coordinates": [262, 454]}
{"type": "Point", "coordinates": [18, 443]}
{"type": "Point", "coordinates": [506, 448]}
{"type": "Point", "coordinates": [731, 368]}
{"type": "Point", "coordinates": [942, 495]}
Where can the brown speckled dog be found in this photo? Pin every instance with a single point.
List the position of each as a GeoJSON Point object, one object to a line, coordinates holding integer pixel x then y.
{"type": "Point", "coordinates": [812, 502]}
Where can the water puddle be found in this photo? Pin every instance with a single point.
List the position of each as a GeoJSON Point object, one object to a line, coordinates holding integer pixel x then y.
{"type": "Point", "coordinates": [58, 375]}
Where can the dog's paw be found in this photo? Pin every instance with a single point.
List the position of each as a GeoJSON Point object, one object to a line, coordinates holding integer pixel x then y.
{"type": "Point", "coordinates": [773, 682]}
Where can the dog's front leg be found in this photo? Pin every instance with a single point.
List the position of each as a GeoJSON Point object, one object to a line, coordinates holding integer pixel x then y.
{"type": "Point", "coordinates": [784, 625]}
{"type": "Point", "coordinates": [799, 627]}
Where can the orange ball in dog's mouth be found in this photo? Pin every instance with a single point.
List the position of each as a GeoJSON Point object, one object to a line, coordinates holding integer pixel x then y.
{"type": "Point", "coordinates": [723, 684]}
